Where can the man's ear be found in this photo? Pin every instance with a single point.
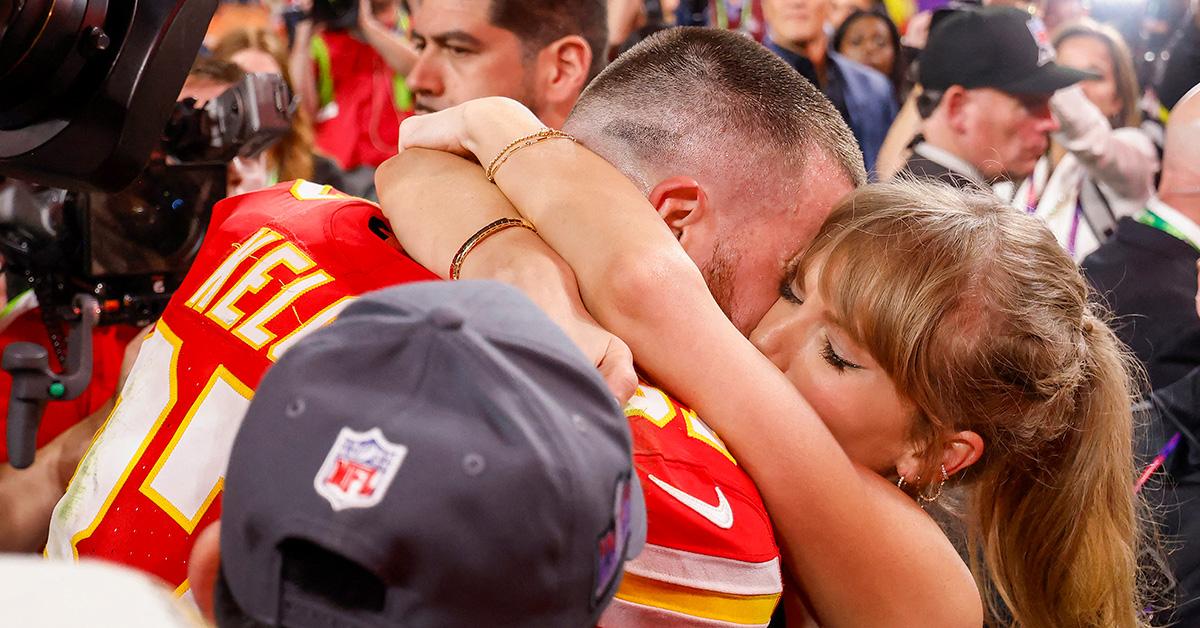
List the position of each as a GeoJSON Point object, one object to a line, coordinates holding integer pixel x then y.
{"type": "Point", "coordinates": [203, 565]}
{"type": "Point", "coordinates": [955, 100]}
{"type": "Point", "coordinates": [564, 68]}
{"type": "Point", "coordinates": [681, 202]}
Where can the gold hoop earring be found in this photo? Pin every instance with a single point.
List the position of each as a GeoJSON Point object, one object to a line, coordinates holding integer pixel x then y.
{"type": "Point", "coordinates": [930, 499]}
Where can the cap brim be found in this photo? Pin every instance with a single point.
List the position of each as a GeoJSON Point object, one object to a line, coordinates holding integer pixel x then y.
{"type": "Point", "coordinates": [637, 531]}
{"type": "Point", "coordinates": [1047, 79]}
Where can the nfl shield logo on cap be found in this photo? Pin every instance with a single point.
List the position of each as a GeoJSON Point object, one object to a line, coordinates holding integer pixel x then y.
{"type": "Point", "coordinates": [358, 469]}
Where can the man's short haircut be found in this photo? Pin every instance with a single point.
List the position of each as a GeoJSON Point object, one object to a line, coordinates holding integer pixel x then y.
{"type": "Point", "coordinates": [538, 23]}
{"type": "Point", "coordinates": [216, 70]}
{"type": "Point", "coordinates": [691, 100]}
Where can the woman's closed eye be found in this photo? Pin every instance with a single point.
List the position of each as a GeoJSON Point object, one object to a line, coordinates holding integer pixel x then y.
{"type": "Point", "coordinates": [836, 361]}
{"type": "Point", "coordinates": [788, 292]}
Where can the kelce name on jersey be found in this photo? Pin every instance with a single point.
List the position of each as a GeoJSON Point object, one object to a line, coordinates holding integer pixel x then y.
{"type": "Point", "coordinates": [271, 252]}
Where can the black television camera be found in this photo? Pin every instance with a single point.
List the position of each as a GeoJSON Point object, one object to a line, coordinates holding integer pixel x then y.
{"type": "Point", "coordinates": [131, 249]}
{"type": "Point", "coordinates": [87, 99]}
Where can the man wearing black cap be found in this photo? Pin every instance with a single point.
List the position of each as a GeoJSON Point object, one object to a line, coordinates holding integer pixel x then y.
{"type": "Point", "coordinates": [988, 75]}
{"type": "Point", "coordinates": [492, 487]}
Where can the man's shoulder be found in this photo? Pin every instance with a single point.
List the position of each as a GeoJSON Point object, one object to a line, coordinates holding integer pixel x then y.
{"type": "Point", "coordinates": [698, 498]}
{"type": "Point", "coordinates": [710, 556]}
{"type": "Point", "coordinates": [332, 227]}
{"type": "Point", "coordinates": [1134, 240]}
{"type": "Point", "coordinates": [289, 203]}
{"type": "Point", "coordinates": [862, 78]}
{"type": "Point", "coordinates": [922, 167]}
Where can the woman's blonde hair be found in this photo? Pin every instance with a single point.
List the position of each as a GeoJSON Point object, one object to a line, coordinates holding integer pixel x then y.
{"type": "Point", "coordinates": [1124, 76]}
{"type": "Point", "coordinates": [984, 322]}
{"type": "Point", "coordinates": [292, 156]}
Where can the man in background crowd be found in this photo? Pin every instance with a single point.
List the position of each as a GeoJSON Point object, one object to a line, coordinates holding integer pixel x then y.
{"type": "Point", "coordinates": [1147, 271]}
{"type": "Point", "coordinates": [540, 52]}
{"type": "Point", "coordinates": [1147, 274]}
{"type": "Point", "coordinates": [864, 97]}
{"type": "Point", "coordinates": [988, 76]}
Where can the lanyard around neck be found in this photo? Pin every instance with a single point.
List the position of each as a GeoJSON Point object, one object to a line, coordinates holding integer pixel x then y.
{"type": "Point", "coordinates": [1149, 218]}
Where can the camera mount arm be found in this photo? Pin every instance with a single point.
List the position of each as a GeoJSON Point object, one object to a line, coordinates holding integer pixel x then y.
{"type": "Point", "coordinates": [33, 383]}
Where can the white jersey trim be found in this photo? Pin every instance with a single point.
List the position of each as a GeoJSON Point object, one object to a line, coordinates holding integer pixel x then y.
{"type": "Point", "coordinates": [709, 573]}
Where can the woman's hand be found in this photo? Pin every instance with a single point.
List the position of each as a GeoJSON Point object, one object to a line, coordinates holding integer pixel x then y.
{"type": "Point", "coordinates": [477, 129]}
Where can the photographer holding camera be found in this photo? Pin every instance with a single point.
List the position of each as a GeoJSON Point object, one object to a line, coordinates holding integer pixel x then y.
{"type": "Point", "coordinates": [349, 60]}
{"type": "Point", "coordinates": [118, 226]}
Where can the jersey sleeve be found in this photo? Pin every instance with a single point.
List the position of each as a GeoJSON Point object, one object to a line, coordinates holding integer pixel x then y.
{"type": "Point", "coordinates": [710, 557]}
{"type": "Point", "coordinates": [275, 266]}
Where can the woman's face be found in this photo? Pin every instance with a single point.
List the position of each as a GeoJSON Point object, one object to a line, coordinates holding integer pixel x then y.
{"type": "Point", "coordinates": [869, 42]}
{"type": "Point", "coordinates": [854, 397]}
{"type": "Point", "coordinates": [1088, 53]}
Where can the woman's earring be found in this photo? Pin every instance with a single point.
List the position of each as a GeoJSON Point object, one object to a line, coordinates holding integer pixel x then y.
{"type": "Point", "coordinates": [901, 482]}
{"type": "Point", "coordinates": [924, 499]}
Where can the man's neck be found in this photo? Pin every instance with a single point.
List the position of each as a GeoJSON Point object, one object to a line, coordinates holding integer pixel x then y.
{"type": "Point", "coordinates": [944, 142]}
{"type": "Point", "coordinates": [1186, 204]}
{"type": "Point", "coordinates": [1179, 187]}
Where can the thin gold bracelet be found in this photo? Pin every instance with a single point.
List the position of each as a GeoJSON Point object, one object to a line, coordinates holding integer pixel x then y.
{"type": "Point", "coordinates": [488, 231]}
{"type": "Point", "coordinates": [522, 142]}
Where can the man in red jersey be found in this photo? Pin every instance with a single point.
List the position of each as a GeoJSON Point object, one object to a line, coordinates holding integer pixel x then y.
{"type": "Point", "coordinates": [275, 265]}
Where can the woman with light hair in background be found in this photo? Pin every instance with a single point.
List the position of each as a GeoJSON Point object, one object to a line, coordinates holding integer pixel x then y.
{"type": "Point", "coordinates": [1101, 166]}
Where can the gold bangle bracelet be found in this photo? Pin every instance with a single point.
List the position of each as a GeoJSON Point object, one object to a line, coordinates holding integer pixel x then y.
{"type": "Point", "coordinates": [488, 231]}
{"type": "Point", "coordinates": [518, 144]}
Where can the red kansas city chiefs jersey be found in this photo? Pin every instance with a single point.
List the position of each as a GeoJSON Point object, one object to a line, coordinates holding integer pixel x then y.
{"type": "Point", "coordinates": [276, 265]}
{"type": "Point", "coordinates": [710, 557]}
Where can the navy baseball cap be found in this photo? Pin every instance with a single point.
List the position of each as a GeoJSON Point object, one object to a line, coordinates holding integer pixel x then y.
{"type": "Point", "coordinates": [999, 47]}
{"type": "Point", "coordinates": [441, 455]}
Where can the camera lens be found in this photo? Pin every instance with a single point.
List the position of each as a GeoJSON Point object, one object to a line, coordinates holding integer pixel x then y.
{"type": "Point", "coordinates": [44, 47]}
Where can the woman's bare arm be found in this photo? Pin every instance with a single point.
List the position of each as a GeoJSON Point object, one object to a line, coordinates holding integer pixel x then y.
{"type": "Point", "coordinates": [435, 201]}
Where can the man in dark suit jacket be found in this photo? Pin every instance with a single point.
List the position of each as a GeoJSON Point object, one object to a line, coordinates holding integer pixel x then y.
{"type": "Point", "coordinates": [1147, 273]}
{"type": "Point", "coordinates": [864, 97]}
{"type": "Point", "coordinates": [1148, 278]}
{"type": "Point", "coordinates": [987, 75]}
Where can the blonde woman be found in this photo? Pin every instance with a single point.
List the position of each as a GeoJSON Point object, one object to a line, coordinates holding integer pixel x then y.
{"type": "Point", "coordinates": [926, 338]}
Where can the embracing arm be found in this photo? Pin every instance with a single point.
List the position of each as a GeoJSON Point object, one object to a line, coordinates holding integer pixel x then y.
{"type": "Point", "coordinates": [436, 201]}
{"type": "Point", "coordinates": [28, 496]}
{"type": "Point", "coordinates": [847, 536]}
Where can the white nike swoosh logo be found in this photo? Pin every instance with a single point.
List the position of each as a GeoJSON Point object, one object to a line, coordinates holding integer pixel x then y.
{"type": "Point", "coordinates": [720, 515]}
